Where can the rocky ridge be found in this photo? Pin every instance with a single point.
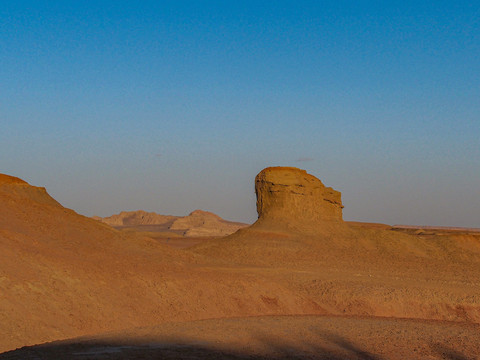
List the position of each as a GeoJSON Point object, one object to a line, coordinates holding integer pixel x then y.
{"type": "Point", "coordinates": [204, 223]}
{"type": "Point", "coordinates": [18, 188]}
{"type": "Point", "coordinates": [196, 224]}
{"type": "Point", "coordinates": [133, 218]}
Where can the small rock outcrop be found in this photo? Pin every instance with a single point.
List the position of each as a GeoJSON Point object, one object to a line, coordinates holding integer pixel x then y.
{"type": "Point", "coordinates": [197, 223]}
{"type": "Point", "coordinates": [204, 223]}
{"type": "Point", "coordinates": [133, 218]}
{"type": "Point", "coordinates": [290, 195]}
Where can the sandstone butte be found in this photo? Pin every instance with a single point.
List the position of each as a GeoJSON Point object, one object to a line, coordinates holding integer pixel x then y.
{"type": "Point", "coordinates": [369, 292]}
{"type": "Point", "coordinates": [292, 197]}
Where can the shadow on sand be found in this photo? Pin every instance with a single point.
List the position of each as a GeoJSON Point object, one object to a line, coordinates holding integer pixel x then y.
{"type": "Point", "coordinates": [333, 347]}
{"type": "Point", "coordinates": [178, 350]}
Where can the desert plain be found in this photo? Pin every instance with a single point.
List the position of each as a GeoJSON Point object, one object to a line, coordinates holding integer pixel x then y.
{"type": "Point", "coordinates": [299, 283]}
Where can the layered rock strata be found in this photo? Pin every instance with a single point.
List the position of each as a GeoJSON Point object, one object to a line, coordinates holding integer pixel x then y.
{"type": "Point", "coordinates": [291, 195]}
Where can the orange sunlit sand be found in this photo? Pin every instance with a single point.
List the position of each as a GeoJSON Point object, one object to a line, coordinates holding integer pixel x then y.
{"type": "Point", "coordinates": [299, 282]}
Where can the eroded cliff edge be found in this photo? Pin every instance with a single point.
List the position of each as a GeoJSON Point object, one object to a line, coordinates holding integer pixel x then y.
{"type": "Point", "coordinates": [290, 197]}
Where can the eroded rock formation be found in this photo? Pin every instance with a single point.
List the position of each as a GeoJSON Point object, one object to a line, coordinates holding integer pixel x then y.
{"type": "Point", "coordinates": [133, 218]}
{"type": "Point", "coordinates": [204, 223]}
{"type": "Point", "coordinates": [291, 195]}
{"type": "Point", "coordinates": [197, 223]}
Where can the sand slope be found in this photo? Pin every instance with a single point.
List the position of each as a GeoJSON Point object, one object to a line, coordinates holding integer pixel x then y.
{"type": "Point", "coordinates": [64, 275]}
{"type": "Point", "coordinates": [287, 337]}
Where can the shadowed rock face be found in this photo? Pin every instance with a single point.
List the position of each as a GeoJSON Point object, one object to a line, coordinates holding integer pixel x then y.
{"type": "Point", "coordinates": [293, 195]}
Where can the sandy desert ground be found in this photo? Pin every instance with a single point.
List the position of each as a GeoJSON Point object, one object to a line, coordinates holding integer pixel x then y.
{"type": "Point", "coordinates": [273, 337]}
{"type": "Point", "coordinates": [299, 283]}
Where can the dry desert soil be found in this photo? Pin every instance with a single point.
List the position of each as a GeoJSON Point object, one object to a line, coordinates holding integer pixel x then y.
{"type": "Point", "coordinates": [300, 283]}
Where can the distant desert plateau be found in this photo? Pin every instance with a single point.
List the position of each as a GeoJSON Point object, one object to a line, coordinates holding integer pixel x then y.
{"type": "Point", "coordinates": [299, 283]}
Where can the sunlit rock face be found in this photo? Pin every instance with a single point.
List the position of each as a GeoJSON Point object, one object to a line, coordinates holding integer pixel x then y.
{"type": "Point", "coordinates": [291, 195]}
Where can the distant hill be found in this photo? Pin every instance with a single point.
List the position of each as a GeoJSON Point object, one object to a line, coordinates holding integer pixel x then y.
{"type": "Point", "coordinates": [139, 217]}
{"type": "Point", "coordinates": [439, 228]}
{"type": "Point", "coordinates": [197, 223]}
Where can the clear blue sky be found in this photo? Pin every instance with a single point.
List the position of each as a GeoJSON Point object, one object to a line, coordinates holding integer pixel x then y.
{"type": "Point", "coordinates": [170, 106]}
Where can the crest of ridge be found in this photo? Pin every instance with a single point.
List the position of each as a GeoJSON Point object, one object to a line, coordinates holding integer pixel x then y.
{"type": "Point", "coordinates": [11, 180]}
